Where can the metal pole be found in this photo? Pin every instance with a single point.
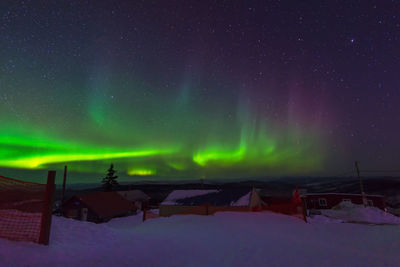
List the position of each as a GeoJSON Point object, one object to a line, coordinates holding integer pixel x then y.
{"type": "Point", "coordinates": [364, 200]}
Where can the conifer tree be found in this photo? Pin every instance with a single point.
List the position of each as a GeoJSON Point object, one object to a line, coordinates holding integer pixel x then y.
{"type": "Point", "coordinates": [110, 181]}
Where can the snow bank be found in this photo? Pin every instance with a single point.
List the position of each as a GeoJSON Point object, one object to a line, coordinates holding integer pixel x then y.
{"type": "Point", "coordinates": [224, 239]}
{"type": "Point", "coordinates": [349, 212]}
{"type": "Point", "coordinates": [316, 219]}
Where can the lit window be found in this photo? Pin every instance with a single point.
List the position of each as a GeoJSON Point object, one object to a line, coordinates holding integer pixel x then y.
{"type": "Point", "coordinates": [322, 202]}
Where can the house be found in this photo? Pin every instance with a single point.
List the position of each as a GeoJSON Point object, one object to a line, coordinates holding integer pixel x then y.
{"type": "Point", "coordinates": [137, 197]}
{"type": "Point", "coordinates": [329, 200]}
{"type": "Point", "coordinates": [207, 202]}
{"type": "Point", "coordinates": [97, 207]}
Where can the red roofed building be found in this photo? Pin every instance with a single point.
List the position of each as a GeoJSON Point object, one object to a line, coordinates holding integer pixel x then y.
{"type": "Point", "coordinates": [98, 207]}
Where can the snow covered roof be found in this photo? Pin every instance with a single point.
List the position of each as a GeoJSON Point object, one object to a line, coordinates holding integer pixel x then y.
{"type": "Point", "coordinates": [134, 195]}
{"type": "Point", "coordinates": [176, 195]}
{"type": "Point", "coordinates": [224, 197]}
{"type": "Point", "coordinates": [243, 201]}
{"type": "Point", "coordinates": [273, 192]}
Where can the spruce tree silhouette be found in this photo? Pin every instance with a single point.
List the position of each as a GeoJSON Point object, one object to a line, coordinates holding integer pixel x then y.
{"type": "Point", "coordinates": [110, 181]}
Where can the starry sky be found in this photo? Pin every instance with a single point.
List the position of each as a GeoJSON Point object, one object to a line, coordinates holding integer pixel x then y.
{"type": "Point", "coordinates": [199, 89]}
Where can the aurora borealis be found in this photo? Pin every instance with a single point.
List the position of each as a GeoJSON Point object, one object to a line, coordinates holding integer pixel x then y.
{"type": "Point", "coordinates": [199, 148]}
{"type": "Point", "coordinates": [198, 89]}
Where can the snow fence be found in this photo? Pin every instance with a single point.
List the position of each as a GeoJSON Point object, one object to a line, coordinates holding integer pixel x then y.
{"type": "Point", "coordinates": [25, 209]}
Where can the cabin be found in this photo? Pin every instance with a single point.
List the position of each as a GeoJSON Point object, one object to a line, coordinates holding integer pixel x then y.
{"type": "Point", "coordinates": [330, 200]}
{"type": "Point", "coordinates": [98, 207]}
{"type": "Point", "coordinates": [137, 197]}
{"type": "Point", "coordinates": [208, 202]}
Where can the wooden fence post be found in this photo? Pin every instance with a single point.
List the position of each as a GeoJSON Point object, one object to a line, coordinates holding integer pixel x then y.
{"type": "Point", "coordinates": [144, 215]}
{"type": "Point", "coordinates": [207, 206]}
{"type": "Point", "coordinates": [304, 207]}
{"type": "Point", "coordinates": [45, 223]}
{"type": "Point", "coordinates": [145, 206]}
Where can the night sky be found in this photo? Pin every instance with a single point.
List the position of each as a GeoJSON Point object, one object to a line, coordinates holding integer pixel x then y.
{"type": "Point", "coordinates": [199, 89]}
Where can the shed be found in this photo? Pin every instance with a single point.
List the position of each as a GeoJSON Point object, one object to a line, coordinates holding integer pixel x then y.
{"type": "Point", "coordinates": [98, 207]}
{"type": "Point", "coordinates": [137, 197]}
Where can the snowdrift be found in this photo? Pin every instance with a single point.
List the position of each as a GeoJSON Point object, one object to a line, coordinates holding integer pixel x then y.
{"type": "Point", "coordinates": [224, 239]}
{"type": "Point", "coordinates": [349, 212]}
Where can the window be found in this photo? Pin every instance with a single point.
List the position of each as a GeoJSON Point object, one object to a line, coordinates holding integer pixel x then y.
{"type": "Point", "coordinates": [370, 202]}
{"type": "Point", "coordinates": [322, 202]}
{"type": "Point", "coordinates": [346, 200]}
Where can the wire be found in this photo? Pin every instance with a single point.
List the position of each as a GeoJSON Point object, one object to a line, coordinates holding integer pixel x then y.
{"type": "Point", "coordinates": [353, 172]}
{"type": "Point", "coordinates": [391, 171]}
{"type": "Point", "coordinates": [344, 174]}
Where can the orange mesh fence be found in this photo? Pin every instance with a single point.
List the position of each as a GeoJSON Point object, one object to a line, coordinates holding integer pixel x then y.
{"type": "Point", "coordinates": [148, 214]}
{"type": "Point", "coordinates": [21, 207]}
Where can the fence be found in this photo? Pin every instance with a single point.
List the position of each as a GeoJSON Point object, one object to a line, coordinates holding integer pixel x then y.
{"type": "Point", "coordinates": [25, 209]}
{"type": "Point", "coordinates": [293, 209]}
{"type": "Point", "coordinates": [206, 209]}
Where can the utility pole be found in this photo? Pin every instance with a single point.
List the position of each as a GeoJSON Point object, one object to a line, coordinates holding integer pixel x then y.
{"type": "Point", "coordinates": [63, 188]}
{"type": "Point", "coordinates": [364, 199]}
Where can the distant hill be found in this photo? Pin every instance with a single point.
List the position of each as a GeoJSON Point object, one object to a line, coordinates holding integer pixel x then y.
{"type": "Point", "coordinates": [387, 186]}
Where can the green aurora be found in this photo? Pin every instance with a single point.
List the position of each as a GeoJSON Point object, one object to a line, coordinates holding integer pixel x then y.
{"type": "Point", "coordinates": [186, 126]}
{"type": "Point", "coordinates": [188, 145]}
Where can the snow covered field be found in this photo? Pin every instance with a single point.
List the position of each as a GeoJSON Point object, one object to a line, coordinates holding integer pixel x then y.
{"type": "Point", "coordinates": [225, 239]}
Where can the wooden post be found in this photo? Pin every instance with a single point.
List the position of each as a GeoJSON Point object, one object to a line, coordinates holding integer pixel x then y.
{"type": "Point", "coordinates": [304, 206]}
{"type": "Point", "coordinates": [47, 209]}
{"type": "Point", "coordinates": [144, 215]}
{"type": "Point", "coordinates": [145, 207]}
{"type": "Point", "coordinates": [63, 189]}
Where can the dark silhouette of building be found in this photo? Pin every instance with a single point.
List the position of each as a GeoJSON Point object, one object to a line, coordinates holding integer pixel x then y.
{"type": "Point", "coordinates": [98, 207]}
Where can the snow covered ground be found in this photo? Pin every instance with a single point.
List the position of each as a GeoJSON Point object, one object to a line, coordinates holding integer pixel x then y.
{"type": "Point", "coordinates": [224, 239]}
{"type": "Point", "coordinates": [349, 212]}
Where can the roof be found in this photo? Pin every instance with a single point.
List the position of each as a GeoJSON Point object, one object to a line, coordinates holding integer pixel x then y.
{"type": "Point", "coordinates": [177, 195]}
{"type": "Point", "coordinates": [224, 197]}
{"type": "Point", "coordinates": [277, 200]}
{"type": "Point", "coordinates": [106, 204]}
{"type": "Point", "coordinates": [341, 194]}
{"type": "Point", "coordinates": [134, 195]}
{"type": "Point", "coordinates": [269, 192]}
